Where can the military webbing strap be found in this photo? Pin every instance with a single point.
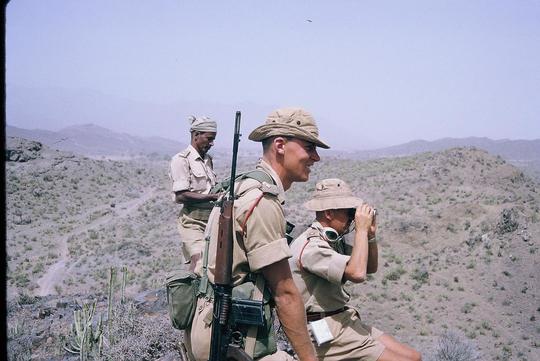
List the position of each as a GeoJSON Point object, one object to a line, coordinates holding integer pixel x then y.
{"type": "Point", "coordinates": [257, 174]}
{"type": "Point", "coordinates": [251, 336]}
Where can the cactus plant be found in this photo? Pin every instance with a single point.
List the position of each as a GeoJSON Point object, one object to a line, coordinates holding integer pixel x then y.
{"type": "Point", "coordinates": [85, 338]}
{"type": "Point", "coordinates": [124, 278]}
{"type": "Point", "coordinates": [112, 278]}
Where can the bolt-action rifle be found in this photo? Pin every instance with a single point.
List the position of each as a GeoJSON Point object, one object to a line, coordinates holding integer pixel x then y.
{"type": "Point", "coordinates": [223, 345]}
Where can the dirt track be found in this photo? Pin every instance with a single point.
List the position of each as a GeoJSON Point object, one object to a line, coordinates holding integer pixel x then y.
{"type": "Point", "coordinates": [56, 272]}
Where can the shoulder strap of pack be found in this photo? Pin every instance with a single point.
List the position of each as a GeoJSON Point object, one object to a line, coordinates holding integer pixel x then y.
{"type": "Point", "coordinates": [258, 175]}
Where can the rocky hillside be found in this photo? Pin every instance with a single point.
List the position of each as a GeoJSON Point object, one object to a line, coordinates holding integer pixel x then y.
{"type": "Point", "coordinates": [524, 154]}
{"type": "Point", "coordinates": [458, 230]}
{"type": "Point", "coordinates": [96, 141]}
{"type": "Point", "coordinates": [459, 236]}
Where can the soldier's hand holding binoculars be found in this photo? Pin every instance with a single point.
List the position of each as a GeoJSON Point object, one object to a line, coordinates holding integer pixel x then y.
{"type": "Point", "coordinates": [364, 218]}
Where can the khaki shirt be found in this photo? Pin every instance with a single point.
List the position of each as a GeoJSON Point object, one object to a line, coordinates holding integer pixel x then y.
{"type": "Point", "coordinates": [190, 172]}
{"type": "Point", "coordinates": [317, 270]}
{"type": "Point", "coordinates": [264, 242]}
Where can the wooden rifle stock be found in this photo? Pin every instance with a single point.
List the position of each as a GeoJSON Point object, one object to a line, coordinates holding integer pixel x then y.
{"type": "Point", "coordinates": [223, 273]}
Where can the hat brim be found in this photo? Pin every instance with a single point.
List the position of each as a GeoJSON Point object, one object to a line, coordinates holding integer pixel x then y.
{"type": "Point", "coordinates": [270, 130]}
{"type": "Point", "coordinates": [322, 204]}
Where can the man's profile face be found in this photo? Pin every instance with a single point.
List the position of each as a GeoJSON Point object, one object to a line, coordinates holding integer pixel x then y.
{"type": "Point", "coordinates": [342, 219]}
{"type": "Point", "coordinates": [298, 157]}
{"type": "Point", "coordinates": [203, 141]}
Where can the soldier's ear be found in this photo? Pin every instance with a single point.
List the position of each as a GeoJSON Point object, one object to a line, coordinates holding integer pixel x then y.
{"type": "Point", "coordinates": [328, 214]}
{"type": "Point", "coordinates": [279, 144]}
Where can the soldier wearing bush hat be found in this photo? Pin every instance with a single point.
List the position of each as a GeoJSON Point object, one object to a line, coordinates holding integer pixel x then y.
{"type": "Point", "coordinates": [321, 264]}
{"type": "Point", "coordinates": [289, 138]}
{"type": "Point", "coordinates": [192, 175]}
{"type": "Point", "coordinates": [289, 122]}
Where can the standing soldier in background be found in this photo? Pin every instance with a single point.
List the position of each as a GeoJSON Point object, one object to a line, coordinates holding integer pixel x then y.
{"type": "Point", "coordinates": [193, 177]}
{"type": "Point", "coordinates": [321, 264]}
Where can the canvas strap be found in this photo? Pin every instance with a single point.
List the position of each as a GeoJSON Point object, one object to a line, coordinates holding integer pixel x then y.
{"type": "Point", "coordinates": [251, 337]}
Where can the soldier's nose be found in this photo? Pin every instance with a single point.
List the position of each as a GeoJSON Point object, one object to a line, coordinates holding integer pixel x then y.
{"type": "Point", "coordinates": [315, 155]}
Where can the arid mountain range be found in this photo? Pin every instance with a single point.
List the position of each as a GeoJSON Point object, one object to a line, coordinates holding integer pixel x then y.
{"type": "Point", "coordinates": [93, 140]}
{"type": "Point", "coordinates": [459, 236]}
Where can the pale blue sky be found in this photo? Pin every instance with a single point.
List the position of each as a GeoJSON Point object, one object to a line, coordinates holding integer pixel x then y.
{"type": "Point", "coordinates": [372, 72]}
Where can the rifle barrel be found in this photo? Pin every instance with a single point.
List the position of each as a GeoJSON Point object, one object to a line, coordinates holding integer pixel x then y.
{"type": "Point", "coordinates": [235, 152]}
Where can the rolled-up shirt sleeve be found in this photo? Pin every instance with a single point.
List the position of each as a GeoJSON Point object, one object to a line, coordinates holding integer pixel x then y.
{"type": "Point", "coordinates": [265, 240]}
{"type": "Point", "coordinates": [320, 259]}
{"type": "Point", "coordinates": [179, 173]}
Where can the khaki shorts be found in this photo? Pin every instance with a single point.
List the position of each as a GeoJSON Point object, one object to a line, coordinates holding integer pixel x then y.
{"type": "Point", "coordinates": [197, 340]}
{"type": "Point", "coordinates": [191, 234]}
{"type": "Point", "coordinates": [353, 340]}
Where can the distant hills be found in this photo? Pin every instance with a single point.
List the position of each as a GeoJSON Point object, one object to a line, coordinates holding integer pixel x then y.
{"type": "Point", "coordinates": [524, 154]}
{"type": "Point", "coordinates": [93, 140]}
{"type": "Point", "coordinates": [506, 148]}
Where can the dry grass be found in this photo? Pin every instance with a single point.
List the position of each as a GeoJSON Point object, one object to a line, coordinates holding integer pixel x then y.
{"type": "Point", "coordinates": [458, 235]}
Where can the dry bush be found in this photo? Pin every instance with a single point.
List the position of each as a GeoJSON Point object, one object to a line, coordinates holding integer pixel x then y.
{"type": "Point", "coordinates": [508, 221]}
{"type": "Point", "coordinates": [454, 347]}
{"type": "Point", "coordinates": [136, 336]}
{"type": "Point", "coordinates": [19, 345]}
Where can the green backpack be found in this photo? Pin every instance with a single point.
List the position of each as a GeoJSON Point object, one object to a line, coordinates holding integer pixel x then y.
{"type": "Point", "coordinates": [182, 291]}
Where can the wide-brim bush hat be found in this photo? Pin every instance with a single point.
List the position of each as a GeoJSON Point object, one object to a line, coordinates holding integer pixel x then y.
{"type": "Point", "coordinates": [332, 193]}
{"type": "Point", "coordinates": [289, 122]}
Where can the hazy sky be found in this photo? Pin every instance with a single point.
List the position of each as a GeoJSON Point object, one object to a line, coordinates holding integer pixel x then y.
{"type": "Point", "coordinates": [372, 72]}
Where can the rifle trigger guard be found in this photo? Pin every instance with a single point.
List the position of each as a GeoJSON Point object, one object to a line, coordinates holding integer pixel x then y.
{"type": "Point", "coordinates": [237, 338]}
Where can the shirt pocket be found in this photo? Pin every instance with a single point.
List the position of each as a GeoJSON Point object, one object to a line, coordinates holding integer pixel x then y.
{"type": "Point", "coordinates": [198, 177]}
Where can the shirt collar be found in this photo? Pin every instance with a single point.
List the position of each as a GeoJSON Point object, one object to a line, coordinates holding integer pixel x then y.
{"type": "Point", "coordinates": [272, 173]}
{"type": "Point", "coordinates": [195, 153]}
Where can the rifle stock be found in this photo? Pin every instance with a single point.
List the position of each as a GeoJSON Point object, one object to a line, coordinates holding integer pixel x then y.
{"type": "Point", "coordinates": [220, 349]}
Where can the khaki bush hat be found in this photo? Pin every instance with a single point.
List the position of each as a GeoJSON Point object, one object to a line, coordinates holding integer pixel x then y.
{"type": "Point", "coordinates": [332, 193]}
{"type": "Point", "coordinates": [289, 122]}
{"type": "Point", "coordinates": [202, 124]}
